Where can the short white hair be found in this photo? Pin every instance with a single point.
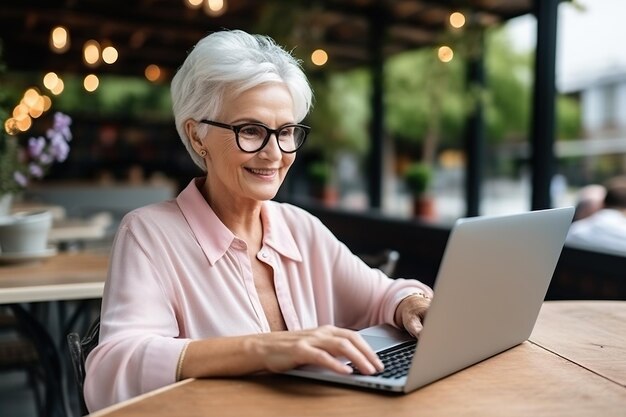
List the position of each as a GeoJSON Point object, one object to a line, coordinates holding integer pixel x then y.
{"type": "Point", "coordinates": [232, 61]}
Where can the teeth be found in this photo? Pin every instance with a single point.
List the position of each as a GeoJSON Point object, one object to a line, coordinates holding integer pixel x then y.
{"type": "Point", "coordinates": [261, 171]}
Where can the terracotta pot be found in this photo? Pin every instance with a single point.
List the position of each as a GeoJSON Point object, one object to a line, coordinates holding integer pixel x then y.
{"type": "Point", "coordinates": [424, 207]}
{"type": "Point", "coordinates": [326, 194]}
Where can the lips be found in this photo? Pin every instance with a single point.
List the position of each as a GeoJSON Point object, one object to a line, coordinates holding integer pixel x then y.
{"type": "Point", "coordinates": [264, 172]}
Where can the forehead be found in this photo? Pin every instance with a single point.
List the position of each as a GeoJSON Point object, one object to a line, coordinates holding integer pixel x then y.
{"type": "Point", "coordinates": [266, 100]}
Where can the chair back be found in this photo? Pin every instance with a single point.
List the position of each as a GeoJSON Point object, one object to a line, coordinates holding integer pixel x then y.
{"type": "Point", "coordinates": [385, 260]}
{"type": "Point", "coordinates": [79, 350]}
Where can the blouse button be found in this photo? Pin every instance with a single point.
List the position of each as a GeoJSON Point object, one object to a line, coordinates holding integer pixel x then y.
{"type": "Point", "coordinates": [264, 255]}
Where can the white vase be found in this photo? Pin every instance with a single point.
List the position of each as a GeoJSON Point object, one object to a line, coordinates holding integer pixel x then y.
{"type": "Point", "coordinates": [5, 204]}
{"type": "Point", "coordinates": [25, 232]}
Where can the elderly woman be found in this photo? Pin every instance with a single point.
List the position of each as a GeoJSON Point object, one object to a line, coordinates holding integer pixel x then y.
{"type": "Point", "coordinates": [222, 281]}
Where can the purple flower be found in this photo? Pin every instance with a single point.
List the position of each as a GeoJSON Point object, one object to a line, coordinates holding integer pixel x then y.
{"type": "Point", "coordinates": [59, 148]}
{"type": "Point", "coordinates": [35, 170]}
{"type": "Point", "coordinates": [46, 159]}
{"type": "Point", "coordinates": [20, 178]}
{"type": "Point", "coordinates": [39, 153]}
{"type": "Point", "coordinates": [61, 126]}
{"type": "Point", "coordinates": [36, 146]}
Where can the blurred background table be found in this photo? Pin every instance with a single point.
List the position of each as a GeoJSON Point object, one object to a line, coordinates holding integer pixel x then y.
{"type": "Point", "coordinates": [36, 317]}
{"type": "Point", "coordinates": [65, 276]}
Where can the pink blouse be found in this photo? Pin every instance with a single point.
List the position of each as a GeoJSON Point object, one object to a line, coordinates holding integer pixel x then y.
{"type": "Point", "coordinates": [177, 274]}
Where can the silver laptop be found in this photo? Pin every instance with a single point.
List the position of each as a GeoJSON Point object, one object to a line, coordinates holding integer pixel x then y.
{"type": "Point", "coordinates": [491, 283]}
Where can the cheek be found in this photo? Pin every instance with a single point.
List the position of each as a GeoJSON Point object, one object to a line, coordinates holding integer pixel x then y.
{"type": "Point", "coordinates": [225, 163]}
{"type": "Point", "coordinates": [223, 152]}
{"type": "Point", "coordinates": [288, 160]}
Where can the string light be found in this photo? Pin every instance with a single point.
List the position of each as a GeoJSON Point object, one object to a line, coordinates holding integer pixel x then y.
{"type": "Point", "coordinates": [31, 106]}
{"type": "Point", "coordinates": [30, 97]}
{"type": "Point", "coordinates": [91, 53]}
{"type": "Point", "coordinates": [10, 126]}
{"type": "Point", "coordinates": [24, 122]}
{"type": "Point", "coordinates": [215, 8]}
{"type": "Point", "coordinates": [319, 57]}
{"type": "Point", "coordinates": [91, 83]}
{"type": "Point", "coordinates": [457, 20]}
{"type": "Point", "coordinates": [152, 73]}
{"type": "Point", "coordinates": [20, 110]}
{"type": "Point", "coordinates": [59, 39]}
{"type": "Point", "coordinates": [194, 4]}
{"type": "Point", "coordinates": [445, 54]}
{"type": "Point", "coordinates": [109, 54]}
{"type": "Point", "coordinates": [47, 103]}
{"type": "Point", "coordinates": [58, 88]}
{"type": "Point", "coordinates": [37, 109]}
{"type": "Point", "coordinates": [50, 80]}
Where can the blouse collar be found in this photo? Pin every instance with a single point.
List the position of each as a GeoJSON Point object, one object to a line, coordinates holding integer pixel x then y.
{"type": "Point", "coordinates": [215, 238]}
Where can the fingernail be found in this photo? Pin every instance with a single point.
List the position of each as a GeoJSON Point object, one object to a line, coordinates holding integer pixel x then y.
{"type": "Point", "coordinates": [380, 365]}
{"type": "Point", "coordinates": [348, 369]}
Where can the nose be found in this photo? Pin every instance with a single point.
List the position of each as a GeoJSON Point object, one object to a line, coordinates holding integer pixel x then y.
{"type": "Point", "coordinates": [271, 150]}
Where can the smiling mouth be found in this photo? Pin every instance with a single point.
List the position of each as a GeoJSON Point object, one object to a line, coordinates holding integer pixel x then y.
{"type": "Point", "coordinates": [264, 172]}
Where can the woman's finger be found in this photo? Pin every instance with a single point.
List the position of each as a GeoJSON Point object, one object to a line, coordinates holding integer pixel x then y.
{"type": "Point", "coordinates": [365, 349]}
{"type": "Point", "coordinates": [343, 346]}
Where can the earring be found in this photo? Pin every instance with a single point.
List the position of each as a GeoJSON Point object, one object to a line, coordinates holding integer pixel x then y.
{"type": "Point", "coordinates": [202, 153]}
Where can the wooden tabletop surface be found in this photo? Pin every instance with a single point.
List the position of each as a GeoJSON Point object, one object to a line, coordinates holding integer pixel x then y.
{"type": "Point", "coordinates": [591, 334]}
{"type": "Point", "coordinates": [65, 276]}
{"type": "Point", "coordinates": [574, 365]}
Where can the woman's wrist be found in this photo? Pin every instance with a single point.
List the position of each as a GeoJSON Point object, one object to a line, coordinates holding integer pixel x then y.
{"type": "Point", "coordinates": [224, 356]}
{"type": "Point", "coordinates": [422, 295]}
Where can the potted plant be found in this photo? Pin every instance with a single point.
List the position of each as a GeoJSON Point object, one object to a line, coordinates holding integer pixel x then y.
{"type": "Point", "coordinates": [418, 177]}
{"type": "Point", "coordinates": [24, 160]}
{"type": "Point", "coordinates": [320, 176]}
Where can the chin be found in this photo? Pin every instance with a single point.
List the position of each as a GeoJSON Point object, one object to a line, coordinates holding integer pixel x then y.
{"type": "Point", "coordinates": [264, 195]}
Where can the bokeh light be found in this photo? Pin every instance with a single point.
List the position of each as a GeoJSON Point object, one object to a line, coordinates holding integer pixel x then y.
{"type": "Point", "coordinates": [445, 54]}
{"type": "Point", "coordinates": [319, 57]}
{"type": "Point", "coordinates": [457, 20]}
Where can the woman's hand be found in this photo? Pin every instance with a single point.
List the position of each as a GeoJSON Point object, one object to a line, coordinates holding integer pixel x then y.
{"type": "Point", "coordinates": [411, 312]}
{"type": "Point", "coordinates": [281, 351]}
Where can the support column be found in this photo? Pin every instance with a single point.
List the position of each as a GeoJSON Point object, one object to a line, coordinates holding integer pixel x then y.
{"type": "Point", "coordinates": [543, 162]}
{"type": "Point", "coordinates": [475, 130]}
{"type": "Point", "coordinates": [377, 125]}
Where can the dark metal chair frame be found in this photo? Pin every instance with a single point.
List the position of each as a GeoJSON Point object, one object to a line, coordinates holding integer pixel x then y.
{"type": "Point", "coordinates": [55, 399]}
{"type": "Point", "coordinates": [79, 349]}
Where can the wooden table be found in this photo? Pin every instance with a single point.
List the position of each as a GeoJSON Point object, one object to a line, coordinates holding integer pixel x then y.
{"type": "Point", "coordinates": [65, 276]}
{"type": "Point", "coordinates": [573, 365]}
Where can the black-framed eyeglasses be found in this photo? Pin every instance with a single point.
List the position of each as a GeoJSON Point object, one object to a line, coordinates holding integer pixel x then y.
{"type": "Point", "coordinates": [252, 137]}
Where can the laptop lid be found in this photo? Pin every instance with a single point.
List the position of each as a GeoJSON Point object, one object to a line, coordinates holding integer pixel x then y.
{"type": "Point", "coordinates": [490, 286]}
{"type": "Point", "coordinates": [492, 280]}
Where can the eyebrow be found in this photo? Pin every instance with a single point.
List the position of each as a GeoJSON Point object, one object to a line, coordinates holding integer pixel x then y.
{"type": "Point", "coordinates": [244, 121]}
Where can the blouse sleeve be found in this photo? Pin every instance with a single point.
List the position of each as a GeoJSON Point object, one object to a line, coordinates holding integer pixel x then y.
{"type": "Point", "coordinates": [364, 296]}
{"type": "Point", "coordinates": [138, 349]}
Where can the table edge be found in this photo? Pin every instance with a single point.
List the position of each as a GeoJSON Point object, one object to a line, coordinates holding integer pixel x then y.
{"type": "Point", "coordinates": [56, 292]}
{"type": "Point", "coordinates": [112, 408]}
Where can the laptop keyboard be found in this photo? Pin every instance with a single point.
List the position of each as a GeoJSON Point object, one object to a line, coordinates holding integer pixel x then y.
{"type": "Point", "coordinates": [397, 361]}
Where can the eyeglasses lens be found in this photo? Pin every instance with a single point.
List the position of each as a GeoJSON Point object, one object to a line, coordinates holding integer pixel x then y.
{"type": "Point", "coordinates": [252, 137]}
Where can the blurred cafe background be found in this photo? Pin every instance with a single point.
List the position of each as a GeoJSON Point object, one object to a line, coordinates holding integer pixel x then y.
{"type": "Point", "coordinates": [448, 85]}
{"type": "Point", "coordinates": [425, 111]}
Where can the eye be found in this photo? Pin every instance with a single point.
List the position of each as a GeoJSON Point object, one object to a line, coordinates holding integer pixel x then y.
{"type": "Point", "coordinates": [286, 132]}
{"type": "Point", "coordinates": [252, 131]}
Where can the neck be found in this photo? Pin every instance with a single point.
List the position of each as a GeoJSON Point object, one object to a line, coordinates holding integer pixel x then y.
{"type": "Point", "coordinates": [240, 216]}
